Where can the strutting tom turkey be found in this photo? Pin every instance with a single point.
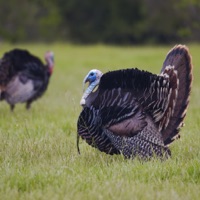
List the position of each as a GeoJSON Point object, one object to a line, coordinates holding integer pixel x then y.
{"type": "Point", "coordinates": [137, 113]}
{"type": "Point", "coordinates": [23, 76]}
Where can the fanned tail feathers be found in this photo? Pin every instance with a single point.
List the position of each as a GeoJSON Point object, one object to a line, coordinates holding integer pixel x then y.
{"type": "Point", "coordinates": [178, 68]}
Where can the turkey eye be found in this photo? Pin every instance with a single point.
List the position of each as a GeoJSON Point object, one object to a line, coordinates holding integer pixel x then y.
{"type": "Point", "coordinates": [92, 74]}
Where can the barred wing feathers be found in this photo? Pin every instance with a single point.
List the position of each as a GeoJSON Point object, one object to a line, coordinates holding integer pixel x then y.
{"type": "Point", "coordinates": [131, 95]}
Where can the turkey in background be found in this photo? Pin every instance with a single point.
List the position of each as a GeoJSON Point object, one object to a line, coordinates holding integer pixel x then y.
{"type": "Point", "coordinates": [134, 112]}
{"type": "Point", "coordinates": [23, 76]}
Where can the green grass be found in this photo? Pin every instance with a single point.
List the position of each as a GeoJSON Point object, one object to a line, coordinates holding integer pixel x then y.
{"type": "Point", "coordinates": [38, 155]}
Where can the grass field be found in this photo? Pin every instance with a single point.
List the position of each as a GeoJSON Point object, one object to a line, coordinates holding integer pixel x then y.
{"type": "Point", "coordinates": [38, 155]}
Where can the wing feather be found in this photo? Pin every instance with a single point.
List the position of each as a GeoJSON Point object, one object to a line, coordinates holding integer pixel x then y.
{"type": "Point", "coordinates": [125, 97]}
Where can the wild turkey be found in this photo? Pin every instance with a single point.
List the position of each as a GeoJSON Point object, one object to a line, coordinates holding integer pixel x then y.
{"type": "Point", "coordinates": [134, 112]}
{"type": "Point", "coordinates": [23, 77]}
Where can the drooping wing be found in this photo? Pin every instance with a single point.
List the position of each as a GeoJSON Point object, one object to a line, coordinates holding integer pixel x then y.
{"type": "Point", "coordinates": [92, 132]}
{"type": "Point", "coordinates": [125, 97]}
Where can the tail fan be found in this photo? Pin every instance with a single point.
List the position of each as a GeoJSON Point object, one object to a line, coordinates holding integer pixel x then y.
{"type": "Point", "coordinates": [180, 60]}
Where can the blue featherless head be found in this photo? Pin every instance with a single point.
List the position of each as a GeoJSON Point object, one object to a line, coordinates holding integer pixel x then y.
{"type": "Point", "coordinates": [93, 77]}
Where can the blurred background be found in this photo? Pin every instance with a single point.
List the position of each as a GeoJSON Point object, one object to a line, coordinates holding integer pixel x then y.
{"type": "Point", "coordinates": [100, 21]}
